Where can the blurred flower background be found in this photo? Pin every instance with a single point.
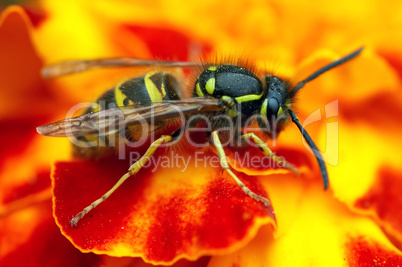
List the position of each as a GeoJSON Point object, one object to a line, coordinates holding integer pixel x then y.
{"type": "Point", "coordinates": [358, 222]}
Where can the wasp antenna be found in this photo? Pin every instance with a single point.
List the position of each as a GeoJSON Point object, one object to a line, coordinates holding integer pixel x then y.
{"type": "Point", "coordinates": [313, 147]}
{"type": "Point", "coordinates": [326, 68]}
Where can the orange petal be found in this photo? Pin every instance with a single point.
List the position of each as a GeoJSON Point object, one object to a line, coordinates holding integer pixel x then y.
{"type": "Point", "coordinates": [384, 202]}
{"type": "Point", "coordinates": [30, 237]}
{"type": "Point", "coordinates": [364, 251]}
{"type": "Point", "coordinates": [394, 59]}
{"type": "Point", "coordinates": [24, 104]}
{"type": "Point", "coordinates": [162, 42]}
{"type": "Point", "coordinates": [62, 38]}
{"type": "Point", "coordinates": [362, 180]}
{"type": "Point", "coordinates": [108, 261]}
{"type": "Point", "coordinates": [346, 82]}
{"type": "Point", "coordinates": [322, 233]}
{"type": "Point", "coordinates": [24, 192]}
{"type": "Point", "coordinates": [367, 139]}
{"type": "Point", "coordinates": [36, 15]}
{"type": "Point", "coordinates": [69, 32]}
{"type": "Point", "coordinates": [375, 112]}
{"type": "Point", "coordinates": [161, 216]}
{"type": "Point", "coordinates": [23, 91]}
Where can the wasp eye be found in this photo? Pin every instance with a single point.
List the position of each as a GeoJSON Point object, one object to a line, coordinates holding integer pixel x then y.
{"type": "Point", "coordinates": [273, 107]}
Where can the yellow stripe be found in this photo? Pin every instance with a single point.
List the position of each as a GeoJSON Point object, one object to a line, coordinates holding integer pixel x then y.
{"type": "Point", "coordinates": [210, 86]}
{"type": "Point", "coordinates": [96, 108]}
{"type": "Point", "coordinates": [212, 68]}
{"type": "Point", "coordinates": [247, 98]}
{"type": "Point", "coordinates": [232, 113]}
{"type": "Point", "coordinates": [118, 94]}
{"type": "Point", "coordinates": [263, 110]}
{"type": "Point", "coordinates": [163, 89]}
{"type": "Point", "coordinates": [154, 94]}
{"type": "Point", "coordinates": [288, 103]}
{"type": "Point", "coordinates": [90, 138]}
{"type": "Point", "coordinates": [280, 112]}
{"type": "Point", "coordinates": [198, 90]}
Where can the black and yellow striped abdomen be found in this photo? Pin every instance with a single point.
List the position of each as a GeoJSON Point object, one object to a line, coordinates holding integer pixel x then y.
{"type": "Point", "coordinates": [142, 91]}
{"type": "Point", "coordinates": [152, 87]}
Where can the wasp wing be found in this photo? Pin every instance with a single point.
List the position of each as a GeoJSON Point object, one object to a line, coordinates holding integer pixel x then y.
{"type": "Point", "coordinates": [109, 120]}
{"type": "Point", "coordinates": [74, 66]}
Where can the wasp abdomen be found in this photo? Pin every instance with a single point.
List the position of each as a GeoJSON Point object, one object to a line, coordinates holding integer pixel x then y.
{"type": "Point", "coordinates": [152, 87]}
{"type": "Point", "coordinates": [139, 91]}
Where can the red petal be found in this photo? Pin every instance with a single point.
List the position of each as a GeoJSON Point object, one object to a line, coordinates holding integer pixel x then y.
{"type": "Point", "coordinates": [317, 231]}
{"type": "Point", "coordinates": [365, 252]}
{"type": "Point", "coordinates": [29, 237]}
{"type": "Point", "coordinates": [160, 216]}
{"type": "Point", "coordinates": [15, 136]}
{"type": "Point", "coordinates": [375, 111]}
{"type": "Point", "coordinates": [166, 43]}
{"type": "Point", "coordinates": [23, 93]}
{"type": "Point", "coordinates": [39, 183]}
{"type": "Point", "coordinates": [384, 201]}
{"type": "Point", "coordinates": [394, 58]}
{"type": "Point", "coordinates": [36, 16]}
{"type": "Point", "coordinates": [251, 160]}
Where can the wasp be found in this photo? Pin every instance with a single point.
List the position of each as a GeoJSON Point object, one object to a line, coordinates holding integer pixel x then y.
{"type": "Point", "coordinates": [234, 91]}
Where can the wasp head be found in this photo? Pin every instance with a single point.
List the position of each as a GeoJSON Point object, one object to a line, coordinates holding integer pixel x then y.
{"type": "Point", "coordinates": [273, 113]}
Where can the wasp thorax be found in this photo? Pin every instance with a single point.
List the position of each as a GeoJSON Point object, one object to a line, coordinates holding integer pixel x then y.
{"type": "Point", "coordinates": [231, 81]}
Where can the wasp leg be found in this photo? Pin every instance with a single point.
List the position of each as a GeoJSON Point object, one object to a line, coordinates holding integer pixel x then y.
{"type": "Point", "coordinates": [131, 171]}
{"type": "Point", "coordinates": [267, 152]}
{"type": "Point", "coordinates": [225, 166]}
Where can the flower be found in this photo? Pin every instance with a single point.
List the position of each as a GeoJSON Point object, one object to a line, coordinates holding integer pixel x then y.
{"type": "Point", "coordinates": [357, 222]}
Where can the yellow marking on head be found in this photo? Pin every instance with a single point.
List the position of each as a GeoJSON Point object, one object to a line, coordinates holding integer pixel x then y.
{"type": "Point", "coordinates": [210, 86]}
{"type": "Point", "coordinates": [212, 68]}
{"type": "Point", "coordinates": [247, 98]}
{"type": "Point", "coordinates": [198, 90]}
{"type": "Point", "coordinates": [118, 94]}
{"type": "Point", "coordinates": [288, 103]}
{"type": "Point", "coordinates": [280, 112]}
{"type": "Point", "coordinates": [263, 110]}
{"type": "Point", "coordinates": [154, 94]}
